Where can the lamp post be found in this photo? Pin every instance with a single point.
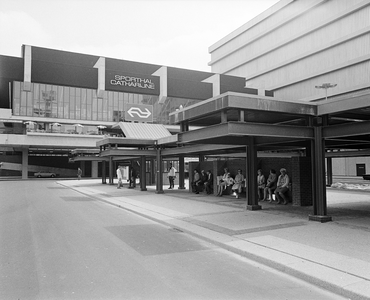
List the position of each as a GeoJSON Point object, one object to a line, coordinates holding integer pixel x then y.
{"type": "Point", "coordinates": [326, 86]}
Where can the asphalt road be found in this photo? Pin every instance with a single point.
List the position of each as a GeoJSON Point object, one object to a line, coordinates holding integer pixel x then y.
{"type": "Point", "coordinates": [58, 244]}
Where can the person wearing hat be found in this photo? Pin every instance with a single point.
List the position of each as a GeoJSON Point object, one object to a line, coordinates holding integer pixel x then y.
{"type": "Point", "coordinates": [282, 187]}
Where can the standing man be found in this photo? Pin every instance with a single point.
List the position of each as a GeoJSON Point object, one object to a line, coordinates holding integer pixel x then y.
{"type": "Point", "coordinates": [209, 183]}
{"type": "Point", "coordinates": [119, 176]}
{"type": "Point", "coordinates": [79, 173]}
{"type": "Point", "coordinates": [133, 176]}
{"type": "Point", "coordinates": [171, 176]}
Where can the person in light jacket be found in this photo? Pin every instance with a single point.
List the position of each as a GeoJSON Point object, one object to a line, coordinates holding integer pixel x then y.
{"type": "Point", "coordinates": [282, 187]}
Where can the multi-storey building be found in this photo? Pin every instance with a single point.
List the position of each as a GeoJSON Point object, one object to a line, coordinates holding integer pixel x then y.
{"type": "Point", "coordinates": [304, 50]}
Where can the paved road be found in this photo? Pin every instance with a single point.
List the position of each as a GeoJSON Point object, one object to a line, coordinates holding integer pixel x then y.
{"type": "Point", "coordinates": [58, 244]}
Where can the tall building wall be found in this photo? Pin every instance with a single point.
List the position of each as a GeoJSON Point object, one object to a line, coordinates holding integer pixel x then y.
{"type": "Point", "coordinates": [296, 45]}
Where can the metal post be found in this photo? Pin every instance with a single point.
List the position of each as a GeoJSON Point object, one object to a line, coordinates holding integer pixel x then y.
{"type": "Point", "coordinates": [181, 172]}
{"type": "Point", "coordinates": [159, 179]}
{"type": "Point", "coordinates": [111, 169]}
{"type": "Point", "coordinates": [104, 172]}
{"type": "Point", "coordinates": [143, 173]}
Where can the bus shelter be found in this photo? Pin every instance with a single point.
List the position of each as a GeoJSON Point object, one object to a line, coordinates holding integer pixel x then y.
{"type": "Point", "coordinates": [239, 123]}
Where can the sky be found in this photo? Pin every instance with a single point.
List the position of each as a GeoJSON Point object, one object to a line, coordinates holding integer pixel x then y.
{"type": "Point", "coordinates": [175, 33]}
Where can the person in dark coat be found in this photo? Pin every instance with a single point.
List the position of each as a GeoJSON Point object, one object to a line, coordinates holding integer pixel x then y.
{"type": "Point", "coordinates": [208, 184]}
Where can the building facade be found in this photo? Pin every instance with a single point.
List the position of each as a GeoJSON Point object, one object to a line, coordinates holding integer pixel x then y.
{"type": "Point", "coordinates": [52, 102]}
{"type": "Point", "coordinates": [303, 50]}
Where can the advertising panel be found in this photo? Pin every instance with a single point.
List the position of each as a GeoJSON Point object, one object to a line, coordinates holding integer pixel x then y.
{"type": "Point", "coordinates": [132, 83]}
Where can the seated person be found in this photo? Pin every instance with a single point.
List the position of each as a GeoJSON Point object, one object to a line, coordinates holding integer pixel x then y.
{"type": "Point", "coordinates": [195, 182]}
{"type": "Point", "coordinates": [261, 184]}
{"type": "Point", "coordinates": [202, 181]}
{"type": "Point", "coordinates": [226, 184]}
{"type": "Point", "coordinates": [270, 186]}
{"type": "Point", "coordinates": [222, 183]}
{"type": "Point", "coordinates": [282, 187]}
{"type": "Point", "coordinates": [238, 181]}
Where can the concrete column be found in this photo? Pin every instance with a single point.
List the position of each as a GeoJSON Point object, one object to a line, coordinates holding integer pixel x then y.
{"type": "Point", "coordinates": [181, 172]}
{"type": "Point", "coordinates": [25, 163]}
{"type": "Point", "coordinates": [251, 175]}
{"type": "Point", "coordinates": [329, 171]}
{"type": "Point", "coordinates": [111, 170]}
{"type": "Point", "coordinates": [159, 179]}
{"type": "Point", "coordinates": [143, 173]}
{"type": "Point", "coordinates": [94, 169]}
{"type": "Point", "coordinates": [152, 171]}
{"type": "Point", "coordinates": [103, 172]}
{"type": "Point", "coordinates": [318, 178]}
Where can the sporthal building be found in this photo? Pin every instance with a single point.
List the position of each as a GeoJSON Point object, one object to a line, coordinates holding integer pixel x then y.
{"type": "Point", "coordinates": [53, 102]}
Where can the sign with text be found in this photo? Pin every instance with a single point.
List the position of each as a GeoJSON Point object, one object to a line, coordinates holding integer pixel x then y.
{"type": "Point", "coordinates": [132, 83]}
{"type": "Point", "coordinates": [138, 112]}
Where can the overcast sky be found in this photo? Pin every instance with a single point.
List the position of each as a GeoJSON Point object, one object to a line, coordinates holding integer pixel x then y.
{"type": "Point", "coordinates": [174, 33]}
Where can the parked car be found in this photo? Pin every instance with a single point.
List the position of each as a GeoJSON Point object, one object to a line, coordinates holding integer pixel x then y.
{"type": "Point", "coordinates": [45, 174]}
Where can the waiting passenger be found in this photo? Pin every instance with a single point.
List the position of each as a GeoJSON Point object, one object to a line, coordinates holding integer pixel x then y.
{"type": "Point", "coordinates": [270, 186]}
{"type": "Point", "coordinates": [238, 182]}
{"type": "Point", "coordinates": [226, 184]}
{"type": "Point", "coordinates": [282, 187]}
{"type": "Point", "coordinates": [196, 180]}
{"type": "Point", "coordinates": [203, 179]}
{"type": "Point", "coordinates": [223, 182]}
{"type": "Point", "coordinates": [209, 183]}
{"type": "Point", "coordinates": [261, 184]}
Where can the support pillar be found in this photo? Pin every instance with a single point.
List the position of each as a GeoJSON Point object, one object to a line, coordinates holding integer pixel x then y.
{"type": "Point", "coordinates": [159, 179]}
{"type": "Point", "coordinates": [318, 180]}
{"type": "Point", "coordinates": [181, 172]}
{"type": "Point", "coordinates": [25, 163]}
{"type": "Point", "coordinates": [152, 171]}
{"type": "Point", "coordinates": [94, 169]}
{"type": "Point", "coordinates": [143, 173]}
{"type": "Point", "coordinates": [103, 172]}
{"type": "Point", "coordinates": [111, 169]}
{"type": "Point", "coordinates": [329, 171]}
{"type": "Point", "coordinates": [251, 175]}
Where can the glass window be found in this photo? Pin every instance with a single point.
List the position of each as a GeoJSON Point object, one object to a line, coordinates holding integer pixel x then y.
{"type": "Point", "coordinates": [60, 101]}
{"type": "Point", "coordinates": [94, 109]}
{"type": "Point", "coordinates": [83, 104]}
{"type": "Point", "coordinates": [78, 104]}
{"type": "Point", "coordinates": [66, 102]}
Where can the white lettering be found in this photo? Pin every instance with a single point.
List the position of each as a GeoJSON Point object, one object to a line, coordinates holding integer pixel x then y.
{"type": "Point", "coordinates": [143, 83]}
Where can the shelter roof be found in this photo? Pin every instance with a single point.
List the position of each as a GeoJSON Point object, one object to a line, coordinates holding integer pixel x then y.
{"type": "Point", "coordinates": [232, 118]}
{"type": "Point", "coordinates": [143, 131]}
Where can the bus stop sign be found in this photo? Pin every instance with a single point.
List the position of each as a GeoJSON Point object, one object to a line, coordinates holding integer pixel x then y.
{"type": "Point", "coordinates": [139, 112]}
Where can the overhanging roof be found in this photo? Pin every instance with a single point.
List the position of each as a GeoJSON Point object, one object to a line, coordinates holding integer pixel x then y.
{"type": "Point", "coordinates": [143, 131]}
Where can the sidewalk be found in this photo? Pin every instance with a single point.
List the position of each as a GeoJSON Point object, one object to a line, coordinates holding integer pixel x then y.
{"type": "Point", "coordinates": [333, 255]}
